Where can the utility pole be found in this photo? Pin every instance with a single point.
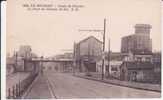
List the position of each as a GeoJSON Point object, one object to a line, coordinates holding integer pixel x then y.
{"type": "Point", "coordinates": [74, 56]}
{"type": "Point", "coordinates": [41, 65]}
{"type": "Point", "coordinates": [103, 60]}
{"type": "Point", "coordinates": [108, 56]}
{"type": "Point", "coordinates": [88, 65]}
{"type": "Point", "coordinates": [16, 59]}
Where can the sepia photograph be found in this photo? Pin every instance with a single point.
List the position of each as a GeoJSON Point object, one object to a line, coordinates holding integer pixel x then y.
{"type": "Point", "coordinates": [83, 49]}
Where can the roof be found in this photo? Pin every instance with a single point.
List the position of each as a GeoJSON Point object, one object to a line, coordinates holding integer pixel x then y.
{"type": "Point", "coordinates": [138, 65]}
{"type": "Point", "coordinates": [143, 25]}
{"type": "Point", "coordinates": [90, 38]}
{"type": "Point", "coordinates": [128, 36]}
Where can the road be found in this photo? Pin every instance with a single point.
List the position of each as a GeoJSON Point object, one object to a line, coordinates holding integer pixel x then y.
{"type": "Point", "coordinates": [66, 86]}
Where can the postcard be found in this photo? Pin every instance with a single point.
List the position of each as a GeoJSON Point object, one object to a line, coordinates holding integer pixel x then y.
{"type": "Point", "coordinates": [83, 49]}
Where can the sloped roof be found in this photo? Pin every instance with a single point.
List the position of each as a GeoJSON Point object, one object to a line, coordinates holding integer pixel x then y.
{"type": "Point", "coordinates": [90, 38]}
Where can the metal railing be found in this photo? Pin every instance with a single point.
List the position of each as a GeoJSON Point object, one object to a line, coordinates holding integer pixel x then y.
{"type": "Point", "coordinates": [17, 90]}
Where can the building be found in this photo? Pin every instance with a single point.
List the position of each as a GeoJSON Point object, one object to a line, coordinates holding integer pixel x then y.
{"type": "Point", "coordinates": [115, 60]}
{"type": "Point", "coordinates": [25, 51]}
{"type": "Point", "coordinates": [10, 65]}
{"type": "Point", "coordinates": [156, 60]}
{"type": "Point", "coordinates": [87, 52]}
{"type": "Point", "coordinates": [156, 57]}
{"type": "Point", "coordinates": [138, 57]}
{"type": "Point", "coordinates": [116, 56]}
{"type": "Point", "coordinates": [61, 63]}
{"type": "Point", "coordinates": [139, 72]}
{"type": "Point", "coordinates": [18, 62]}
{"type": "Point", "coordinates": [138, 42]}
{"type": "Point", "coordinates": [59, 66]}
{"type": "Point", "coordinates": [114, 68]}
{"type": "Point", "coordinates": [21, 56]}
{"type": "Point", "coordinates": [65, 55]}
{"type": "Point", "coordinates": [139, 63]}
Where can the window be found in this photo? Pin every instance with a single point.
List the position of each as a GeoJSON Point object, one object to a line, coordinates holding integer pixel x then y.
{"type": "Point", "coordinates": [114, 69]}
{"type": "Point", "coordinates": [139, 59]}
{"type": "Point", "coordinates": [148, 59]}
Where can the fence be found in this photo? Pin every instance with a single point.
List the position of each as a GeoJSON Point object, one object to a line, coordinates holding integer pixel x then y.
{"type": "Point", "coordinates": [18, 89]}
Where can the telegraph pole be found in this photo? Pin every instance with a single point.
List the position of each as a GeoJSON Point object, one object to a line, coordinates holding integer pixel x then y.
{"type": "Point", "coordinates": [16, 58]}
{"type": "Point", "coordinates": [88, 65]}
{"type": "Point", "coordinates": [41, 63]}
{"type": "Point", "coordinates": [74, 63]}
{"type": "Point", "coordinates": [108, 56]}
{"type": "Point", "coordinates": [103, 60]}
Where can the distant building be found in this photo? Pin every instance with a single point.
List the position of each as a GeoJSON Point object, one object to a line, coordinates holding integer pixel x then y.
{"type": "Point", "coordinates": [116, 56]}
{"type": "Point", "coordinates": [142, 29]}
{"type": "Point", "coordinates": [10, 65]}
{"type": "Point", "coordinates": [140, 72]}
{"type": "Point", "coordinates": [139, 63]}
{"type": "Point", "coordinates": [64, 63]}
{"type": "Point", "coordinates": [64, 56]}
{"type": "Point", "coordinates": [138, 57]}
{"type": "Point", "coordinates": [156, 57]}
{"type": "Point", "coordinates": [25, 51]}
{"type": "Point", "coordinates": [115, 60]}
{"type": "Point", "coordinates": [21, 56]}
{"type": "Point", "coordinates": [62, 66]}
{"type": "Point", "coordinates": [156, 60]}
{"type": "Point", "coordinates": [18, 62]}
{"type": "Point", "coordinates": [87, 53]}
{"type": "Point", "coordinates": [139, 42]}
{"type": "Point", "coordinates": [114, 68]}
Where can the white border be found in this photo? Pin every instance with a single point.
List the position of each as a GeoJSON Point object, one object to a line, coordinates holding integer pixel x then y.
{"type": "Point", "coordinates": [3, 55]}
{"type": "Point", "coordinates": [3, 50]}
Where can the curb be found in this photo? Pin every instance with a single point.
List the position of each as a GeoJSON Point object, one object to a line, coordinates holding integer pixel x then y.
{"type": "Point", "coordinates": [118, 84]}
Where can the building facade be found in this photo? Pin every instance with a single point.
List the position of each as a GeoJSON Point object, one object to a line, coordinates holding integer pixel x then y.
{"type": "Point", "coordinates": [140, 63]}
{"type": "Point", "coordinates": [138, 42]}
{"type": "Point", "coordinates": [87, 52]}
{"type": "Point", "coordinates": [10, 65]}
{"type": "Point", "coordinates": [61, 63]}
{"type": "Point", "coordinates": [156, 60]}
{"type": "Point", "coordinates": [139, 72]}
{"type": "Point", "coordinates": [113, 68]}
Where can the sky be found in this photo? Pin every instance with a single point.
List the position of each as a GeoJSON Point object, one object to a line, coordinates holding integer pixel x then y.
{"type": "Point", "coordinates": [52, 32]}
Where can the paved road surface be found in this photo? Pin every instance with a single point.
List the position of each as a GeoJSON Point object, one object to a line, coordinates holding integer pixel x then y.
{"type": "Point", "coordinates": [68, 86]}
{"type": "Point", "coordinates": [40, 89]}
{"type": "Point", "coordinates": [62, 85]}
